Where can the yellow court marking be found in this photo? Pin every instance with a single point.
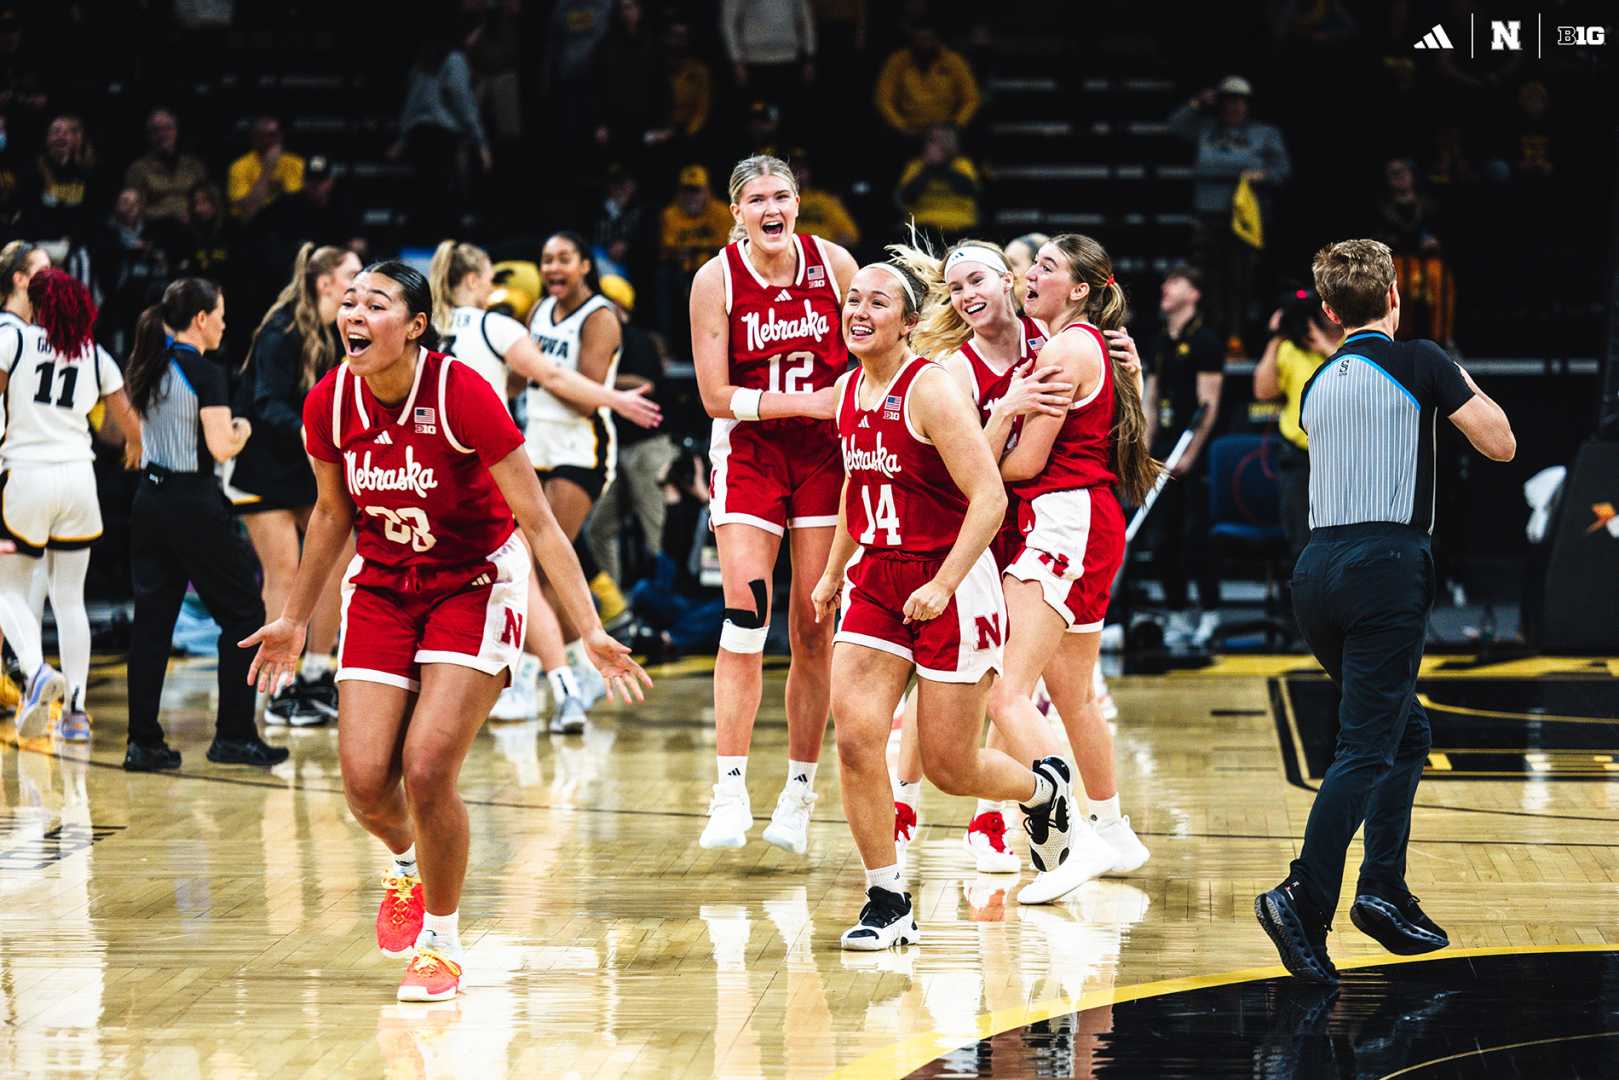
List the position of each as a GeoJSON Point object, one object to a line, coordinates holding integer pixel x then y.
{"type": "Point", "coordinates": [1497, 714]}
{"type": "Point", "coordinates": [907, 1056]}
{"type": "Point", "coordinates": [1481, 1051]}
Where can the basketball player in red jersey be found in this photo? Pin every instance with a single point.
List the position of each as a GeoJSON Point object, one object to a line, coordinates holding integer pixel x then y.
{"type": "Point", "coordinates": [1063, 471]}
{"type": "Point", "coordinates": [415, 451]}
{"type": "Point", "coordinates": [922, 500]}
{"type": "Point", "coordinates": [767, 345]}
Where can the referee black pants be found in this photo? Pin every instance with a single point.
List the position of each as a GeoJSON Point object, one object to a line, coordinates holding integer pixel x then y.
{"type": "Point", "coordinates": [181, 531]}
{"type": "Point", "coordinates": [1362, 594]}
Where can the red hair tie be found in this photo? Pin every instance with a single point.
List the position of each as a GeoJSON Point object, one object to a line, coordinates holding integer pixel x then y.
{"type": "Point", "coordinates": [1110, 280]}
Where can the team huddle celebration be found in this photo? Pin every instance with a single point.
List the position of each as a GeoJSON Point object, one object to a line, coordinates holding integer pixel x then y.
{"type": "Point", "coordinates": [464, 533]}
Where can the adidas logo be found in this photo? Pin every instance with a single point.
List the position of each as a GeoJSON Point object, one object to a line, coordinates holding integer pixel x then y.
{"type": "Point", "coordinates": [864, 422]}
{"type": "Point", "coordinates": [783, 295]}
{"type": "Point", "coordinates": [1435, 39]}
{"type": "Point", "coordinates": [480, 581]}
{"type": "Point", "coordinates": [385, 439]}
{"type": "Point", "coordinates": [734, 772]}
{"type": "Point", "coordinates": [801, 778]}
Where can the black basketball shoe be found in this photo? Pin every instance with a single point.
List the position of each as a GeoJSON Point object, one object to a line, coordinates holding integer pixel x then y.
{"type": "Point", "coordinates": [1048, 826]}
{"type": "Point", "coordinates": [1395, 920]}
{"type": "Point", "coordinates": [885, 921]}
{"type": "Point", "coordinates": [1298, 931]}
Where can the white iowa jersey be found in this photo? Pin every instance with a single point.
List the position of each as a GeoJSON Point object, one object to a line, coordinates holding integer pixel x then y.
{"type": "Point", "coordinates": [49, 398]}
{"type": "Point", "coordinates": [558, 433]}
{"type": "Point", "coordinates": [481, 339]}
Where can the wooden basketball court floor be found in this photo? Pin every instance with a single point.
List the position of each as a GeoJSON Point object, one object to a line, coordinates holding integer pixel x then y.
{"type": "Point", "coordinates": [218, 921]}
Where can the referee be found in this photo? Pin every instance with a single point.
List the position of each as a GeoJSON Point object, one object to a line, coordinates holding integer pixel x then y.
{"type": "Point", "coordinates": [1362, 591]}
{"type": "Point", "coordinates": [181, 527]}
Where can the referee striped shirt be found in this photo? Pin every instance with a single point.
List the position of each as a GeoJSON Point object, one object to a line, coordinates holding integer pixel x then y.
{"type": "Point", "coordinates": [1372, 413]}
{"type": "Point", "coordinates": [171, 425]}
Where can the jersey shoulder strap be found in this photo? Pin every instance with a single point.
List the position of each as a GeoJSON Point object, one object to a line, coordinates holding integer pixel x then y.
{"type": "Point", "coordinates": [483, 328]}
{"type": "Point", "coordinates": [17, 356]}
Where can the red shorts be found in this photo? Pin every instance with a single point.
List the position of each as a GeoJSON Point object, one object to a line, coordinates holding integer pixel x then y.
{"type": "Point", "coordinates": [471, 616]}
{"type": "Point", "coordinates": [959, 646]}
{"type": "Point", "coordinates": [775, 474]}
{"type": "Point", "coordinates": [1073, 546]}
{"type": "Point", "coordinates": [1009, 541]}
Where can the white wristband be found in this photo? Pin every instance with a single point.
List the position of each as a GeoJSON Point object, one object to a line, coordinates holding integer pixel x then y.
{"type": "Point", "coordinates": [745, 403]}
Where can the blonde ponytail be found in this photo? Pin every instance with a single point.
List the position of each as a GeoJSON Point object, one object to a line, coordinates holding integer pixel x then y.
{"type": "Point", "coordinates": [452, 261]}
{"type": "Point", "coordinates": [1105, 307]}
{"type": "Point", "coordinates": [317, 344]}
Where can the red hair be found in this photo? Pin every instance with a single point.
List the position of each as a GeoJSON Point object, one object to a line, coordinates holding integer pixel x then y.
{"type": "Point", "coordinates": [64, 309]}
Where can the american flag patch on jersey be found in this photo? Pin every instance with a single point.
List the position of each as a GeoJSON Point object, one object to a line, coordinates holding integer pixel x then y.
{"type": "Point", "coordinates": [891, 407]}
{"type": "Point", "coordinates": [424, 415]}
{"type": "Point", "coordinates": [816, 275]}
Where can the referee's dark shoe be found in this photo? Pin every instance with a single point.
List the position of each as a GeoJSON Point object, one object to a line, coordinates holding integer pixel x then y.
{"type": "Point", "coordinates": [254, 751]}
{"type": "Point", "coordinates": [1298, 931]}
{"type": "Point", "coordinates": [1394, 919]}
{"type": "Point", "coordinates": [157, 758]}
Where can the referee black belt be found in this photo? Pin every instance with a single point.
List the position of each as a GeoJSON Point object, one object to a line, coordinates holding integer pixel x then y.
{"type": "Point", "coordinates": [160, 476]}
{"type": "Point", "coordinates": [1367, 530]}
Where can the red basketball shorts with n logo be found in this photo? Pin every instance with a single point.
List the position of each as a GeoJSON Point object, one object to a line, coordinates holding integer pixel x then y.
{"type": "Point", "coordinates": [1073, 546]}
{"type": "Point", "coordinates": [959, 646]}
{"type": "Point", "coordinates": [394, 622]}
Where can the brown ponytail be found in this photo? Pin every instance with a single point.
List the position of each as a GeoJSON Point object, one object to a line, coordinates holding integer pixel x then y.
{"type": "Point", "coordinates": [1104, 306]}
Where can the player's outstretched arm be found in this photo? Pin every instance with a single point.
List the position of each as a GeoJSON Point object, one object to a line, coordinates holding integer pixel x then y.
{"type": "Point", "coordinates": [281, 642]}
{"type": "Point", "coordinates": [946, 416]}
{"type": "Point", "coordinates": [584, 394]}
{"type": "Point", "coordinates": [554, 551]}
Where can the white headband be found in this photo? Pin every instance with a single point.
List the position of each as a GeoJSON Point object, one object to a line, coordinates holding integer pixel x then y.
{"type": "Point", "coordinates": [977, 254]}
{"type": "Point", "coordinates": [899, 275]}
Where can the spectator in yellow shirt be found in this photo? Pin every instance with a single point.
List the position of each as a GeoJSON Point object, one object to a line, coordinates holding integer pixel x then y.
{"type": "Point", "coordinates": [694, 227]}
{"type": "Point", "coordinates": [264, 173]}
{"type": "Point", "coordinates": [1302, 338]}
{"type": "Point", "coordinates": [691, 82]}
{"type": "Point", "coordinates": [940, 188]}
{"type": "Point", "coordinates": [820, 212]}
{"type": "Point", "coordinates": [925, 84]}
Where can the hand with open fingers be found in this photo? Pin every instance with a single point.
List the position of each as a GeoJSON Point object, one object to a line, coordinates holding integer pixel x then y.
{"type": "Point", "coordinates": [825, 596]}
{"type": "Point", "coordinates": [623, 676]}
{"type": "Point", "coordinates": [637, 408]}
{"type": "Point", "coordinates": [1036, 392]}
{"type": "Point", "coordinates": [281, 646]}
{"type": "Point", "coordinates": [927, 602]}
{"type": "Point", "coordinates": [1122, 348]}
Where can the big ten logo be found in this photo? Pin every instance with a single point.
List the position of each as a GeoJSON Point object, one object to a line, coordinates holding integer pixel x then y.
{"type": "Point", "coordinates": [1582, 35]}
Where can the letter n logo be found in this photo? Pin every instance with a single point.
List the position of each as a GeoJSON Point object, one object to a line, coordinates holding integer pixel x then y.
{"type": "Point", "coordinates": [989, 630]}
{"type": "Point", "coordinates": [512, 634]}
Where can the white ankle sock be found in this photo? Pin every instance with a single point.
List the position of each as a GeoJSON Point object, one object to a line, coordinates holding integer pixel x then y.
{"type": "Point", "coordinates": [1104, 811]}
{"type": "Point", "coordinates": [801, 772]}
{"type": "Point", "coordinates": [886, 877]}
{"type": "Point", "coordinates": [907, 792]}
{"type": "Point", "coordinates": [314, 665]}
{"type": "Point", "coordinates": [405, 862]}
{"type": "Point", "coordinates": [1044, 791]}
{"type": "Point", "coordinates": [562, 683]}
{"type": "Point", "coordinates": [733, 769]}
{"type": "Point", "coordinates": [985, 806]}
{"type": "Point", "coordinates": [446, 931]}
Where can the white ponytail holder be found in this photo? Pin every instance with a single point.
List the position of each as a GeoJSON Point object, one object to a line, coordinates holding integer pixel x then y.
{"type": "Point", "coordinates": [977, 254]}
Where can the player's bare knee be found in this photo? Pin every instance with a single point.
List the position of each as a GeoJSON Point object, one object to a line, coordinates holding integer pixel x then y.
{"type": "Point", "coordinates": [368, 790]}
{"type": "Point", "coordinates": [428, 778]}
{"type": "Point", "coordinates": [745, 628]}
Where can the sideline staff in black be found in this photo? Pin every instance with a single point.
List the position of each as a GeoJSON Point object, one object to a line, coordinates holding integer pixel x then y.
{"type": "Point", "coordinates": [181, 527]}
{"type": "Point", "coordinates": [1362, 591]}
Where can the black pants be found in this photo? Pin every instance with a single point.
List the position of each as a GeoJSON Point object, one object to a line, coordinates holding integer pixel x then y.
{"type": "Point", "coordinates": [1181, 548]}
{"type": "Point", "coordinates": [181, 530]}
{"type": "Point", "coordinates": [1362, 594]}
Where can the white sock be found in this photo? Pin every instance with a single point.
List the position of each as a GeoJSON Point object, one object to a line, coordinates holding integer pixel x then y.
{"type": "Point", "coordinates": [986, 806]}
{"type": "Point", "coordinates": [314, 665]}
{"type": "Point", "coordinates": [1044, 792]}
{"type": "Point", "coordinates": [801, 772]}
{"type": "Point", "coordinates": [405, 862]}
{"type": "Point", "coordinates": [526, 675]}
{"type": "Point", "coordinates": [1104, 811]}
{"type": "Point", "coordinates": [733, 770]}
{"type": "Point", "coordinates": [886, 877]}
{"type": "Point", "coordinates": [577, 657]}
{"type": "Point", "coordinates": [908, 792]}
{"type": "Point", "coordinates": [446, 931]}
{"type": "Point", "coordinates": [562, 683]}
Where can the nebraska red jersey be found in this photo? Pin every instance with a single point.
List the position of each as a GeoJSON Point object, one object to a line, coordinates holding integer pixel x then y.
{"type": "Point", "coordinates": [991, 387]}
{"type": "Point", "coordinates": [784, 338]}
{"type": "Point", "coordinates": [900, 497]}
{"type": "Point", "coordinates": [418, 473]}
{"type": "Point", "coordinates": [1082, 455]}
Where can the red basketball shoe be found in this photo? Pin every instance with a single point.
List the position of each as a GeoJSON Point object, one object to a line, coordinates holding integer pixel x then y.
{"type": "Point", "coordinates": [430, 976]}
{"type": "Point", "coordinates": [399, 920]}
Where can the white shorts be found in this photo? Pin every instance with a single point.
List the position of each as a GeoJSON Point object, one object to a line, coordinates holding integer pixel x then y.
{"type": "Point", "coordinates": [1073, 546]}
{"type": "Point", "coordinates": [50, 506]}
{"type": "Point", "coordinates": [588, 442]}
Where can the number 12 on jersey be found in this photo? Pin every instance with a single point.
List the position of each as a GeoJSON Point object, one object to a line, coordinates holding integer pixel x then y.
{"type": "Point", "coordinates": [803, 366]}
{"type": "Point", "coordinates": [882, 517]}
